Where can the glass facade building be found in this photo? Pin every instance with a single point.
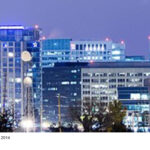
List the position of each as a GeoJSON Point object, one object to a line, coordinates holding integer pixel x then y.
{"type": "Point", "coordinates": [55, 50]}
{"type": "Point", "coordinates": [63, 79]}
{"type": "Point", "coordinates": [14, 40]}
{"type": "Point", "coordinates": [67, 50]}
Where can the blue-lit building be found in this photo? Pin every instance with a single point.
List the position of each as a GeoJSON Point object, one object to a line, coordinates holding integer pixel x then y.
{"type": "Point", "coordinates": [63, 79]}
{"type": "Point", "coordinates": [136, 100]}
{"type": "Point", "coordinates": [133, 93]}
{"type": "Point", "coordinates": [67, 50]}
{"type": "Point", "coordinates": [55, 50]}
{"type": "Point", "coordinates": [15, 67]}
{"type": "Point", "coordinates": [134, 58]}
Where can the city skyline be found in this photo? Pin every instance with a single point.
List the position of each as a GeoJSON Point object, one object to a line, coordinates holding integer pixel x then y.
{"type": "Point", "coordinates": [126, 20]}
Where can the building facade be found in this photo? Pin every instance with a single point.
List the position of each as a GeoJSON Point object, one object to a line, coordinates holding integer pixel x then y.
{"type": "Point", "coordinates": [67, 50]}
{"type": "Point", "coordinates": [100, 81]}
{"type": "Point", "coordinates": [55, 50]}
{"type": "Point", "coordinates": [15, 67]}
{"type": "Point", "coordinates": [63, 79]}
{"type": "Point", "coordinates": [97, 51]}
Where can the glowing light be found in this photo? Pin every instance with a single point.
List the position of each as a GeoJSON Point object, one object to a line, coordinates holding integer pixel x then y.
{"type": "Point", "coordinates": [26, 56]}
{"type": "Point", "coordinates": [10, 54]}
{"type": "Point", "coordinates": [122, 42]}
{"type": "Point", "coordinates": [115, 52]}
{"type": "Point", "coordinates": [135, 96]}
{"type": "Point", "coordinates": [73, 46]}
{"type": "Point", "coordinates": [36, 26]}
{"type": "Point", "coordinates": [11, 27]}
{"type": "Point", "coordinates": [80, 127]}
{"type": "Point", "coordinates": [18, 80]}
{"type": "Point", "coordinates": [27, 81]}
{"type": "Point", "coordinates": [113, 46]}
{"type": "Point", "coordinates": [107, 39]}
{"type": "Point", "coordinates": [91, 61]}
{"type": "Point", "coordinates": [45, 125]}
{"type": "Point", "coordinates": [86, 48]}
{"type": "Point", "coordinates": [149, 37]}
{"type": "Point", "coordinates": [144, 97]}
{"type": "Point", "coordinates": [91, 48]}
{"type": "Point", "coordinates": [17, 100]}
{"type": "Point", "coordinates": [43, 38]}
{"type": "Point", "coordinates": [5, 45]}
{"type": "Point", "coordinates": [116, 57]}
{"type": "Point", "coordinates": [35, 44]}
{"type": "Point", "coordinates": [89, 57]}
{"type": "Point", "coordinates": [102, 48]}
{"type": "Point", "coordinates": [27, 124]}
{"type": "Point", "coordinates": [96, 86]}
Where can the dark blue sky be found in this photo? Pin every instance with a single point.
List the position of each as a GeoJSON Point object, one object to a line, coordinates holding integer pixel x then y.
{"type": "Point", "coordinates": [127, 20]}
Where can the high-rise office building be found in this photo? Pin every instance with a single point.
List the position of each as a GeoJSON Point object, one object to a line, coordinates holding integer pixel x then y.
{"type": "Point", "coordinates": [67, 50]}
{"type": "Point", "coordinates": [63, 79]}
{"type": "Point", "coordinates": [20, 73]}
{"type": "Point", "coordinates": [100, 81]}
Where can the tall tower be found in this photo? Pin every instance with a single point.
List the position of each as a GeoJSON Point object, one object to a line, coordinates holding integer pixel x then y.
{"type": "Point", "coordinates": [14, 40]}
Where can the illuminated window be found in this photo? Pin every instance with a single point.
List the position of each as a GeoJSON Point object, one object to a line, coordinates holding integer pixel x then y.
{"type": "Point", "coordinates": [65, 83]}
{"type": "Point", "coordinates": [116, 57]}
{"type": "Point", "coordinates": [10, 54]}
{"type": "Point", "coordinates": [117, 52]}
{"type": "Point", "coordinates": [18, 80]}
{"type": "Point", "coordinates": [74, 82]}
{"type": "Point", "coordinates": [135, 96]}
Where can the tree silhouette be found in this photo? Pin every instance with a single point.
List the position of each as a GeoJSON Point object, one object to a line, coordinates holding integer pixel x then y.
{"type": "Point", "coordinates": [108, 118]}
{"type": "Point", "coordinates": [6, 122]}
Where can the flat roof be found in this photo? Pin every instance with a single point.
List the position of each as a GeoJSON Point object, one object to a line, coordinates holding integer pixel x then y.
{"type": "Point", "coordinates": [122, 64]}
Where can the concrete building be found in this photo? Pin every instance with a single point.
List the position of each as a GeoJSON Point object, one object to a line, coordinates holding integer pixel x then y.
{"type": "Point", "coordinates": [100, 81]}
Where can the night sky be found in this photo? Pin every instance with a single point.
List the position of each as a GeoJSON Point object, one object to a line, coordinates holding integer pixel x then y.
{"type": "Point", "coordinates": [127, 20]}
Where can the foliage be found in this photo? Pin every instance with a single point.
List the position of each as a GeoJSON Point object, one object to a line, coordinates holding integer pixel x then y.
{"type": "Point", "coordinates": [6, 122]}
{"type": "Point", "coordinates": [101, 118]}
{"type": "Point", "coordinates": [116, 115]}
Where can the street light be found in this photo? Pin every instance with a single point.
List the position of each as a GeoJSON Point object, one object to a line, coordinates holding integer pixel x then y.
{"type": "Point", "coordinates": [27, 124]}
{"type": "Point", "coordinates": [45, 125]}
